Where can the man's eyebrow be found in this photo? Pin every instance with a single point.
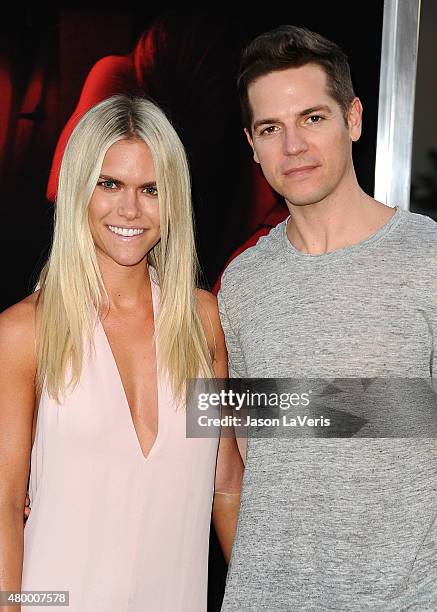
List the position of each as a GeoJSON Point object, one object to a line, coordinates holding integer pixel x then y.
{"type": "Point", "coordinates": [260, 122]}
{"type": "Point", "coordinates": [303, 113]}
{"type": "Point", "coordinates": [106, 177]}
{"type": "Point", "coordinates": [315, 109]}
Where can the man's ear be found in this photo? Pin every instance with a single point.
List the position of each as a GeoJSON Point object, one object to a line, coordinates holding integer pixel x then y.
{"type": "Point", "coordinates": [250, 141]}
{"type": "Point", "coordinates": [354, 119]}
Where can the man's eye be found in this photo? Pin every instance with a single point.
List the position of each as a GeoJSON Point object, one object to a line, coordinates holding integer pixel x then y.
{"type": "Point", "coordinates": [269, 130]}
{"type": "Point", "coordinates": [153, 191]}
{"type": "Point", "coordinates": [107, 184]}
{"type": "Point", "coordinates": [314, 119]}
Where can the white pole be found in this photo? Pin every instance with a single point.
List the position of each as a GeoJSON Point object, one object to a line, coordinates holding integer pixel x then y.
{"type": "Point", "coordinates": [400, 35]}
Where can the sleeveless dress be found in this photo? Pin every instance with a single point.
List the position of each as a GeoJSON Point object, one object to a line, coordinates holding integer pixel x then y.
{"type": "Point", "coordinates": [120, 532]}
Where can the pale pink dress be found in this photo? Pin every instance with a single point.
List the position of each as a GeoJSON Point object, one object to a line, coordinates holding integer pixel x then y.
{"type": "Point", "coordinates": [120, 532]}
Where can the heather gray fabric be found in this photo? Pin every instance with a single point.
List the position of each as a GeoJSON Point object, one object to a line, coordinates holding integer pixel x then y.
{"type": "Point", "coordinates": [336, 524]}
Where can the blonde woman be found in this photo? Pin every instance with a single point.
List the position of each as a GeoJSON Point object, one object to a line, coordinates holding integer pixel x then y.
{"type": "Point", "coordinates": [121, 499]}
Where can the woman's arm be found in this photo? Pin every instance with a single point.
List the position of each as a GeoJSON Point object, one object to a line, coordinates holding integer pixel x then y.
{"type": "Point", "coordinates": [230, 468]}
{"type": "Point", "coordinates": [17, 401]}
{"type": "Point", "coordinates": [226, 506]}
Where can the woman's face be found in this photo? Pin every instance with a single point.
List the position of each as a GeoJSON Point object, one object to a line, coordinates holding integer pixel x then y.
{"type": "Point", "coordinates": [123, 211]}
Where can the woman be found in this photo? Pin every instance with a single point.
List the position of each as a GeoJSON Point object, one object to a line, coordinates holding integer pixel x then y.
{"type": "Point", "coordinates": [186, 61]}
{"type": "Point", "coordinates": [121, 499]}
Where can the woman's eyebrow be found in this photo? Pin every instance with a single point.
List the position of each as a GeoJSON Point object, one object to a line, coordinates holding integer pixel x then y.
{"type": "Point", "coordinates": [106, 177]}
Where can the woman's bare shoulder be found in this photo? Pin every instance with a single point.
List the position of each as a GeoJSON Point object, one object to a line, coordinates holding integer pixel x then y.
{"type": "Point", "coordinates": [17, 325]}
{"type": "Point", "coordinates": [207, 304]}
{"type": "Point", "coordinates": [209, 315]}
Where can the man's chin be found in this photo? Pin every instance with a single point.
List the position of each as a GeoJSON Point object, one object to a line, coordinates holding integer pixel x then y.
{"type": "Point", "coordinates": [304, 200]}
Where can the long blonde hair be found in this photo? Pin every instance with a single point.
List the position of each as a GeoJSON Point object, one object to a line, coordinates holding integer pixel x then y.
{"type": "Point", "coordinates": [71, 286]}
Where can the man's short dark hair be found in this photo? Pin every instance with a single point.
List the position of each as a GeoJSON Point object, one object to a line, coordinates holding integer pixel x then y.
{"type": "Point", "coordinates": [291, 47]}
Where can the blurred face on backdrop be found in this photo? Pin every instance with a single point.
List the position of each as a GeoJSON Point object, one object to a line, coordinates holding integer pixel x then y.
{"type": "Point", "coordinates": [299, 134]}
{"type": "Point", "coordinates": [124, 211]}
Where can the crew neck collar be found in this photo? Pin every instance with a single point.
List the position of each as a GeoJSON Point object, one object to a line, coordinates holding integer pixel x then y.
{"type": "Point", "coordinates": [291, 251]}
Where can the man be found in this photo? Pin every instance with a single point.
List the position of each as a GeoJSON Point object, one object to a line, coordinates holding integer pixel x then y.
{"type": "Point", "coordinates": [344, 287]}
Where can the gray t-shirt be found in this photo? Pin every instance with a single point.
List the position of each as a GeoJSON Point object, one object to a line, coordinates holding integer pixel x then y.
{"type": "Point", "coordinates": [340, 523]}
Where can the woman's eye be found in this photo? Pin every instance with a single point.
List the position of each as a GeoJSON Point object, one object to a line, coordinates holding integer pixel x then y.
{"type": "Point", "coordinates": [153, 191]}
{"type": "Point", "coordinates": [107, 184]}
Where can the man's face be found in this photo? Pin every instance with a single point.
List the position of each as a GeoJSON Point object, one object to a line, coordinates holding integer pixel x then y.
{"type": "Point", "coordinates": [299, 134]}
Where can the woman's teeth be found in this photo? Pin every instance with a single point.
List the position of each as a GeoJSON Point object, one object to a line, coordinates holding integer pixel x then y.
{"type": "Point", "coordinates": [123, 231]}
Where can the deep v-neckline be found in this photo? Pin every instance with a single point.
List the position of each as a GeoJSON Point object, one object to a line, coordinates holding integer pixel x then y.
{"type": "Point", "coordinates": [120, 381]}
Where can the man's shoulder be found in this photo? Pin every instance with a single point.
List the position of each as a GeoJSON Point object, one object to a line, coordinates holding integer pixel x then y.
{"type": "Point", "coordinates": [253, 261]}
{"type": "Point", "coordinates": [420, 226]}
{"type": "Point", "coordinates": [415, 243]}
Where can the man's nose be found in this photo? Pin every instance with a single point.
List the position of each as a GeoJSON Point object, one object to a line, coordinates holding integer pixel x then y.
{"type": "Point", "coordinates": [294, 141]}
{"type": "Point", "coordinates": [129, 205]}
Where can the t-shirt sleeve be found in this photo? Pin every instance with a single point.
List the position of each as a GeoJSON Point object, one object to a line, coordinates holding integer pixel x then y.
{"type": "Point", "coordinates": [236, 363]}
{"type": "Point", "coordinates": [433, 363]}
{"type": "Point", "coordinates": [429, 295]}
